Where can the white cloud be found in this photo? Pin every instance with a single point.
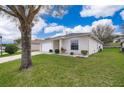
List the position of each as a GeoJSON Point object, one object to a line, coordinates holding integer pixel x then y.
{"type": "Point", "coordinates": [103, 22]}
{"type": "Point", "coordinates": [9, 29]}
{"type": "Point", "coordinates": [87, 28]}
{"type": "Point", "coordinates": [82, 29]}
{"type": "Point", "coordinates": [122, 14]}
{"type": "Point", "coordinates": [58, 34]}
{"type": "Point", "coordinates": [39, 25]}
{"type": "Point", "coordinates": [59, 14]}
{"type": "Point", "coordinates": [99, 11]}
{"type": "Point", "coordinates": [76, 29]}
{"type": "Point", "coordinates": [66, 30]}
{"type": "Point", "coordinates": [54, 11]}
{"type": "Point", "coordinates": [53, 24]}
{"type": "Point", "coordinates": [117, 30]}
{"type": "Point", "coordinates": [44, 10]}
{"type": "Point", "coordinates": [54, 28]}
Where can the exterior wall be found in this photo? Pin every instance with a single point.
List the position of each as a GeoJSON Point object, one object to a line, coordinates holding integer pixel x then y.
{"type": "Point", "coordinates": [47, 45]}
{"type": "Point", "coordinates": [82, 41]}
{"type": "Point", "coordinates": [94, 46]}
{"type": "Point", "coordinates": [55, 44]}
{"type": "Point", "coordinates": [122, 45]}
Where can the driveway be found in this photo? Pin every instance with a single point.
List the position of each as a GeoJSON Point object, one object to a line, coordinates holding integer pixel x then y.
{"type": "Point", "coordinates": [11, 58]}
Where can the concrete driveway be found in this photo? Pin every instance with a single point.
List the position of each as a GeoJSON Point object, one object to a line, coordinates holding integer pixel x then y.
{"type": "Point", "coordinates": [11, 58]}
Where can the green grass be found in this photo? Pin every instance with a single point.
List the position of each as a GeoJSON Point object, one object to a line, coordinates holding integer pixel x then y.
{"type": "Point", "coordinates": [102, 69]}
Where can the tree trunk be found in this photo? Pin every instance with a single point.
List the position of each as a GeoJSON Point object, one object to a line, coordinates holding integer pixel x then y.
{"type": "Point", "coordinates": [26, 61]}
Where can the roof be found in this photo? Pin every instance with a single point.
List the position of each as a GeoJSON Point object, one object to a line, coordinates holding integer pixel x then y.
{"type": "Point", "coordinates": [119, 38]}
{"type": "Point", "coordinates": [72, 35]}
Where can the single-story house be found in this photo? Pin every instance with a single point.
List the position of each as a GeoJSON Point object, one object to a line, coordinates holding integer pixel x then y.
{"type": "Point", "coordinates": [72, 43]}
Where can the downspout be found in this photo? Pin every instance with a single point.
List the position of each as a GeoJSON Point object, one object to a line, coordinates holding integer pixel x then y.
{"type": "Point", "coordinates": [88, 46]}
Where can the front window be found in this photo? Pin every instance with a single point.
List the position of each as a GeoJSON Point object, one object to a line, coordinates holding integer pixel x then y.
{"type": "Point", "coordinates": [74, 45]}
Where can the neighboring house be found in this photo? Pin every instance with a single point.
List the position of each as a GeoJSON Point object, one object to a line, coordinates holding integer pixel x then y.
{"type": "Point", "coordinates": [74, 42]}
{"type": "Point", "coordinates": [121, 40]}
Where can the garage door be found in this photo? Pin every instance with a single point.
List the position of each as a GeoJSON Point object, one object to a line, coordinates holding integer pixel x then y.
{"type": "Point", "coordinates": [46, 46]}
{"type": "Point", "coordinates": [35, 47]}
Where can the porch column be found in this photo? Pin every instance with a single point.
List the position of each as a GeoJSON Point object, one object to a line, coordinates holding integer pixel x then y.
{"type": "Point", "coordinates": [60, 45]}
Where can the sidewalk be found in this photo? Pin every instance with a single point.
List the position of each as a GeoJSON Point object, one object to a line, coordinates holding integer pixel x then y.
{"type": "Point", "coordinates": [11, 58]}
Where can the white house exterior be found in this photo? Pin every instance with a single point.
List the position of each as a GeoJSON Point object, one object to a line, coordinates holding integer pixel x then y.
{"type": "Point", "coordinates": [74, 42]}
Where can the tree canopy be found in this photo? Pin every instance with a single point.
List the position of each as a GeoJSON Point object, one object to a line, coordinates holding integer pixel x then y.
{"type": "Point", "coordinates": [25, 15]}
{"type": "Point", "coordinates": [103, 32]}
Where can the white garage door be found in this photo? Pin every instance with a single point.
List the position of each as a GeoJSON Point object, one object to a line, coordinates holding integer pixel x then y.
{"type": "Point", "coordinates": [46, 46]}
{"type": "Point", "coordinates": [35, 47]}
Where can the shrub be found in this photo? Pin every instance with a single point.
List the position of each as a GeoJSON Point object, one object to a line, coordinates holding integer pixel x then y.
{"type": "Point", "coordinates": [57, 51]}
{"type": "Point", "coordinates": [11, 49]}
{"type": "Point", "coordinates": [71, 53]}
{"type": "Point", "coordinates": [50, 50]}
{"type": "Point", "coordinates": [84, 52]}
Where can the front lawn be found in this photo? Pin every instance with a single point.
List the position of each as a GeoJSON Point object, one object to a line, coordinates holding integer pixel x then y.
{"type": "Point", "coordinates": [102, 69]}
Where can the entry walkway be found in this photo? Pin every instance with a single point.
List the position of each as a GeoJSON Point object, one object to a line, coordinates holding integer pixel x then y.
{"type": "Point", "coordinates": [11, 58]}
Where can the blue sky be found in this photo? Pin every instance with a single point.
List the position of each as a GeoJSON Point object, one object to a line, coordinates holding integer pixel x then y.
{"type": "Point", "coordinates": [73, 18]}
{"type": "Point", "coordinates": [76, 19]}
